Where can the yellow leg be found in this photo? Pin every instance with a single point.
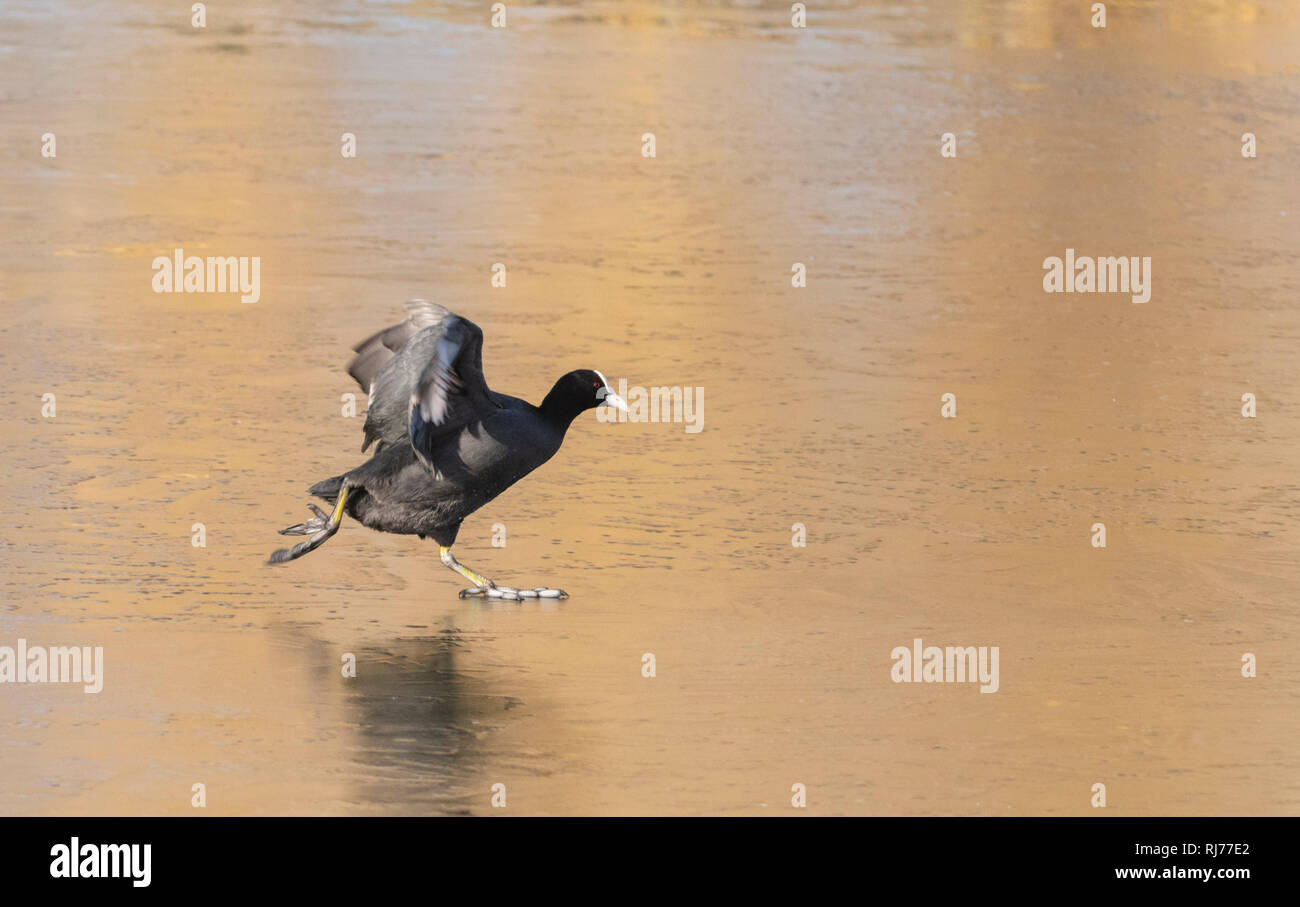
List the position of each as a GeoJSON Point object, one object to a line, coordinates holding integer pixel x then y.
{"type": "Point", "coordinates": [337, 516]}
{"type": "Point", "coordinates": [488, 589]}
{"type": "Point", "coordinates": [481, 581]}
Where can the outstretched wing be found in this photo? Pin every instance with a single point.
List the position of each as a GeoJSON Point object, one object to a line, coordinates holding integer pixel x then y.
{"type": "Point", "coordinates": [451, 391]}
{"type": "Point", "coordinates": [424, 377]}
{"type": "Point", "coordinates": [378, 350]}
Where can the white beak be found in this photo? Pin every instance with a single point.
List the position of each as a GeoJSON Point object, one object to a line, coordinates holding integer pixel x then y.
{"type": "Point", "coordinates": [614, 400]}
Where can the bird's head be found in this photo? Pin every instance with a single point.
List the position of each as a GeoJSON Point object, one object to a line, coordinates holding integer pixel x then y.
{"type": "Point", "coordinates": [579, 391]}
{"type": "Point", "coordinates": [591, 384]}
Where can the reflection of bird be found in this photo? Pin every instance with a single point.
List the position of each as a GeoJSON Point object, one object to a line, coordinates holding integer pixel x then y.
{"type": "Point", "coordinates": [445, 445]}
{"type": "Point", "coordinates": [420, 717]}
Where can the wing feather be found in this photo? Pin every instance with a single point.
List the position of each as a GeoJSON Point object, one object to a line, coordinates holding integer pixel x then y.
{"type": "Point", "coordinates": [424, 378]}
{"type": "Point", "coordinates": [451, 391]}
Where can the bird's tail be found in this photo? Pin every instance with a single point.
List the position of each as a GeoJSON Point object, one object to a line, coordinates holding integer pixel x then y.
{"type": "Point", "coordinates": [327, 490]}
{"type": "Point", "coordinates": [320, 527]}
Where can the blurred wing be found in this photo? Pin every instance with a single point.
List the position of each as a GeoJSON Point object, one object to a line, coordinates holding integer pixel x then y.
{"type": "Point", "coordinates": [451, 391]}
{"type": "Point", "coordinates": [424, 377]}
{"type": "Point", "coordinates": [376, 351]}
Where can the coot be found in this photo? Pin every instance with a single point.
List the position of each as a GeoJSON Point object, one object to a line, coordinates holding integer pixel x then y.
{"type": "Point", "coordinates": [445, 444]}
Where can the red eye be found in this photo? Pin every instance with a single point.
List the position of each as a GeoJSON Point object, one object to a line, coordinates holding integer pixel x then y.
{"type": "Point", "coordinates": [595, 384]}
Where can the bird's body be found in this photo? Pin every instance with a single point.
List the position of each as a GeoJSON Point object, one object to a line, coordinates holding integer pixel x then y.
{"type": "Point", "coordinates": [395, 491]}
{"type": "Point", "coordinates": [445, 444]}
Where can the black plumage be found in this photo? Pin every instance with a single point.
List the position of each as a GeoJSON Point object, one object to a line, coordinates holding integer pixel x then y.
{"type": "Point", "coordinates": [444, 443]}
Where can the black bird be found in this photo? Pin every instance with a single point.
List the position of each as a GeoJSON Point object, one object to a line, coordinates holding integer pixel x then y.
{"type": "Point", "coordinates": [445, 444]}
